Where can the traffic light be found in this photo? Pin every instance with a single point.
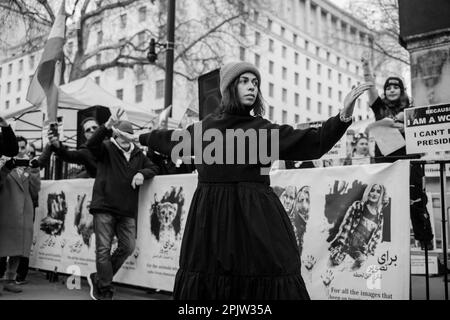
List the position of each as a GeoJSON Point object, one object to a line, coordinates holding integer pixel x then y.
{"type": "Point", "coordinates": [152, 56]}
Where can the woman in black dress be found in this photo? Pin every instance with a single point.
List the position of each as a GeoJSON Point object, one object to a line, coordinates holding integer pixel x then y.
{"type": "Point", "coordinates": [238, 241]}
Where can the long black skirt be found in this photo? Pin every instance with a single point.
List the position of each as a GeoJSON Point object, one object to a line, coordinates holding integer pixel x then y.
{"type": "Point", "coordinates": [238, 243]}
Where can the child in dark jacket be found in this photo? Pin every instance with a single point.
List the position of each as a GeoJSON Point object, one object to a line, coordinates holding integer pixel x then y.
{"type": "Point", "coordinates": [121, 169]}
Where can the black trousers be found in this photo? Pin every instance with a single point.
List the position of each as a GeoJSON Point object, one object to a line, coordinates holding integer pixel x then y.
{"type": "Point", "coordinates": [22, 270]}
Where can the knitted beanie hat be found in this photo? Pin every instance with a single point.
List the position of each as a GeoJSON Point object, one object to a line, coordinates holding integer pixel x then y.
{"type": "Point", "coordinates": [125, 126]}
{"type": "Point", "coordinates": [396, 81]}
{"type": "Point", "coordinates": [232, 70]}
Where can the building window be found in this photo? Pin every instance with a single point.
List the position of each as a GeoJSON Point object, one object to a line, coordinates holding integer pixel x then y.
{"type": "Point", "coordinates": [271, 45]}
{"type": "Point", "coordinates": [297, 118]}
{"type": "Point", "coordinates": [257, 38]}
{"type": "Point", "coordinates": [329, 74]}
{"type": "Point", "coordinates": [338, 61]}
{"type": "Point", "coordinates": [284, 52]}
{"type": "Point", "coordinates": [308, 83]}
{"type": "Point", "coordinates": [284, 95]}
{"type": "Point", "coordinates": [340, 96]}
{"type": "Point", "coordinates": [306, 45]}
{"type": "Point", "coordinates": [257, 60]}
{"type": "Point", "coordinates": [319, 69]}
{"type": "Point", "coordinates": [31, 62]}
{"type": "Point", "coordinates": [138, 92]}
{"type": "Point", "coordinates": [255, 16]}
{"type": "Point", "coordinates": [284, 73]}
{"type": "Point", "coordinates": [99, 37]}
{"type": "Point", "coordinates": [347, 65]}
{"type": "Point", "coordinates": [271, 67]}
{"type": "Point", "coordinates": [359, 104]}
{"type": "Point", "coordinates": [271, 113]}
{"type": "Point", "coordinates": [142, 14]}
{"type": "Point", "coordinates": [97, 80]}
{"type": "Point", "coordinates": [360, 117]}
{"type": "Point", "coordinates": [119, 94]}
{"type": "Point", "coordinates": [7, 105]}
{"type": "Point", "coordinates": [17, 101]}
{"type": "Point", "coordinates": [242, 30]}
{"type": "Point", "coordinates": [69, 50]}
{"type": "Point", "coordinates": [283, 31]}
{"type": "Point", "coordinates": [319, 88]}
{"type": "Point", "coordinates": [123, 21]}
{"type": "Point", "coordinates": [308, 63]}
{"type": "Point", "coordinates": [19, 84]}
{"type": "Point", "coordinates": [330, 92]}
{"type": "Point", "coordinates": [141, 38]}
{"type": "Point", "coordinates": [340, 78]}
{"type": "Point", "coordinates": [297, 100]}
{"type": "Point", "coordinates": [271, 90]}
{"type": "Point", "coordinates": [328, 56]}
{"type": "Point", "coordinates": [308, 104]}
{"type": "Point", "coordinates": [120, 73]}
{"type": "Point", "coordinates": [319, 107]}
{"type": "Point", "coordinates": [296, 78]}
{"type": "Point", "coordinates": [295, 38]}
{"type": "Point", "coordinates": [296, 58]}
{"type": "Point", "coordinates": [98, 58]}
{"type": "Point", "coordinates": [242, 53]}
{"type": "Point", "coordinates": [269, 24]}
{"type": "Point", "coordinates": [330, 111]}
{"type": "Point", "coordinates": [159, 89]}
{"type": "Point", "coordinates": [21, 65]}
{"type": "Point", "coordinates": [1, 71]}
{"type": "Point", "coordinates": [349, 82]}
{"type": "Point", "coordinates": [308, 119]}
{"type": "Point", "coordinates": [8, 87]}
{"type": "Point", "coordinates": [317, 51]}
{"type": "Point", "coordinates": [357, 70]}
{"type": "Point", "coordinates": [284, 116]}
{"type": "Point", "coordinates": [10, 69]}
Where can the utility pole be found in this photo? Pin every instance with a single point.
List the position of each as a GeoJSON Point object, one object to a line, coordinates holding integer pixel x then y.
{"type": "Point", "coordinates": [168, 94]}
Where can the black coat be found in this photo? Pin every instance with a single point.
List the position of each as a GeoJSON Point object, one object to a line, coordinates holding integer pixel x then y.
{"type": "Point", "coordinates": [8, 142]}
{"type": "Point", "coordinates": [112, 192]}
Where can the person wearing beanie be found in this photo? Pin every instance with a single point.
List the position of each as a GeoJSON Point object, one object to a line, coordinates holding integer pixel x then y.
{"type": "Point", "coordinates": [121, 168]}
{"type": "Point", "coordinates": [389, 111]}
{"type": "Point", "coordinates": [238, 241]}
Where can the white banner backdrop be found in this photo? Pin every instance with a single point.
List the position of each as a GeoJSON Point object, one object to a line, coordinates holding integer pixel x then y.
{"type": "Point", "coordinates": [317, 201]}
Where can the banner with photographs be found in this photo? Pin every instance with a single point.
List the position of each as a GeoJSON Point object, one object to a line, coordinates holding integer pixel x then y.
{"type": "Point", "coordinates": [351, 225]}
{"type": "Point", "coordinates": [352, 229]}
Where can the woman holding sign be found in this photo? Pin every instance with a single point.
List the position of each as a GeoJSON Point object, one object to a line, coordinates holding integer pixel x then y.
{"type": "Point", "coordinates": [389, 113]}
{"type": "Point", "coordinates": [238, 242]}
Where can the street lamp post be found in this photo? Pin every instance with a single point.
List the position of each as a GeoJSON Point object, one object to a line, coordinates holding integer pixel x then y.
{"type": "Point", "coordinates": [168, 94]}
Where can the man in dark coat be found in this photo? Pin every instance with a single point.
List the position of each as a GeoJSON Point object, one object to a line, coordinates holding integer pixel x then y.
{"type": "Point", "coordinates": [121, 169]}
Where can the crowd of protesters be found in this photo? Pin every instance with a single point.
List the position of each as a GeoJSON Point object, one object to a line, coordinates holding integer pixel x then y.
{"type": "Point", "coordinates": [113, 156]}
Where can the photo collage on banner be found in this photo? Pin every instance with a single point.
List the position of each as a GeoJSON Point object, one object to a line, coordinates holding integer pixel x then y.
{"type": "Point", "coordinates": [351, 226]}
{"type": "Point", "coordinates": [352, 229]}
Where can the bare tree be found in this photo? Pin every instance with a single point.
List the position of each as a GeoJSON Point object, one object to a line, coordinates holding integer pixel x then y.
{"type": "Point", "coordinates": [199, 37]}
{"type": "Point", "coordinates": [381, 17]}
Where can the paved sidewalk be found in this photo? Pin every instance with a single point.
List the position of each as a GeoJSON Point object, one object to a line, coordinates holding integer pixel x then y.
{"type": "Point", "coordinates": [39, 288]}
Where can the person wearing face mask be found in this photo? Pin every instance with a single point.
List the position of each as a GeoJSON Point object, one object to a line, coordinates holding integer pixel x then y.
{"type": "Point", "coordinates": [121, 170]}
{"type": "Point", "coordinates": [82, 156]}
{"type": "Point", "coordinates": [238, 242]}
{"type": "Point", "coordinates": [19, 188]}
{"type": "Point", "coordinates": [390, 111]}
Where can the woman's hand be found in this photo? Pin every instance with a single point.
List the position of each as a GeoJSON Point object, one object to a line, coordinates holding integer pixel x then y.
{"type": "Point", "coordinates": [352, 96]}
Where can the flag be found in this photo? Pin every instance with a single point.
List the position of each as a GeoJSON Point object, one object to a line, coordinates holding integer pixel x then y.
{"type": "Point", "coordinates": [47, 78]}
